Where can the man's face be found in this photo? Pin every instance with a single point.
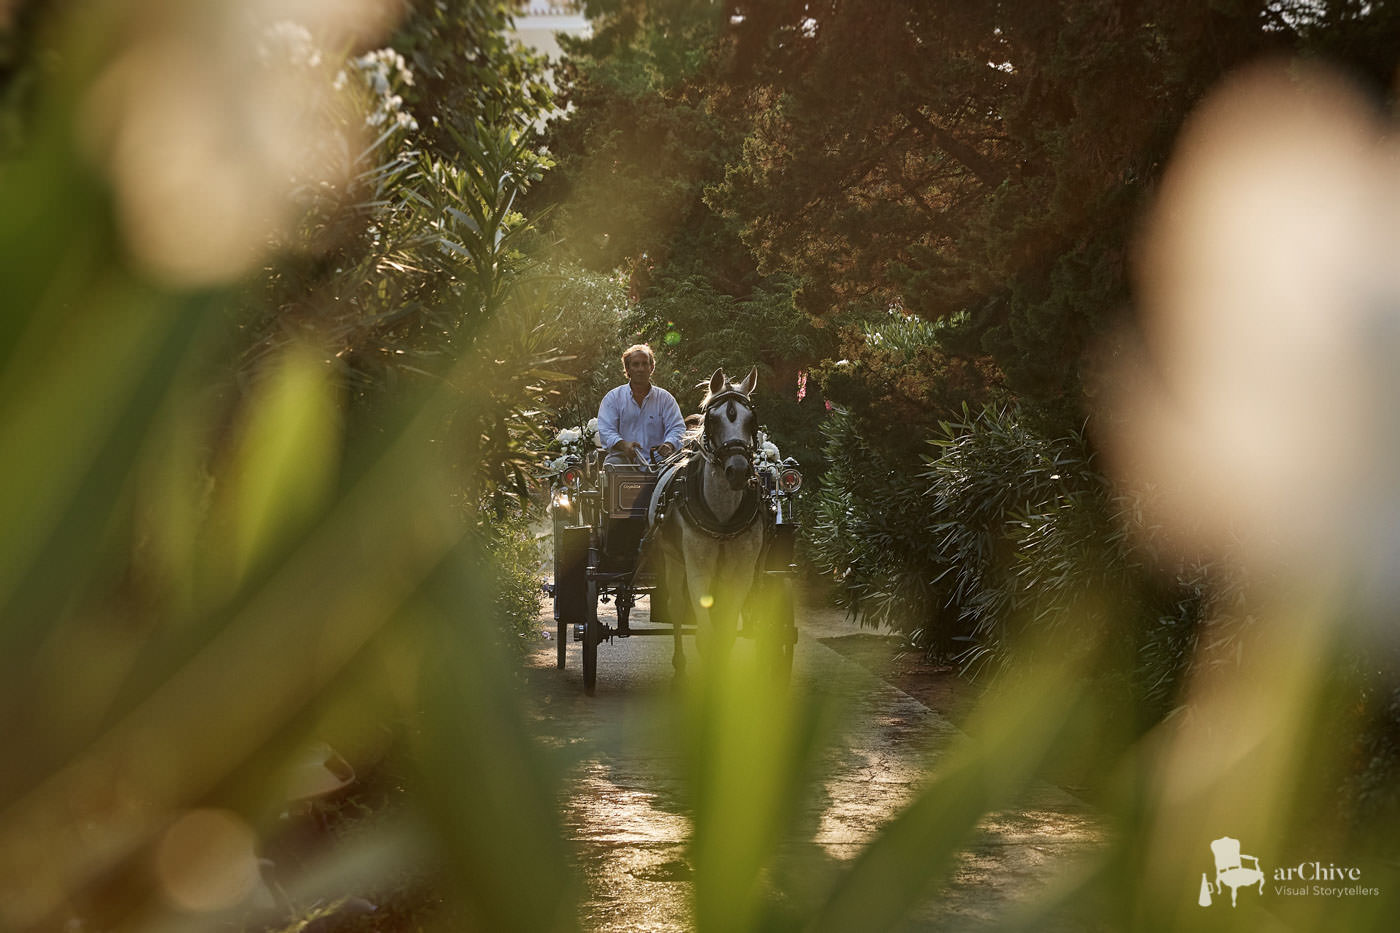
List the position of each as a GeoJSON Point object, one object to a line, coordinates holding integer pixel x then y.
{"type": "Point", "coordinates": [639, 369]}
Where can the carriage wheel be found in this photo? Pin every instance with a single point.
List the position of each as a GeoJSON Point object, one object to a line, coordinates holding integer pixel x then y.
{"type": "Point", "coordinates": [570, 583]}
{"type": "Point", "coordinates": [592, 632]}
{"type": "Point", "coordinates": [778, 635]}
{"type": "Point", "coordinates": [785, 629]}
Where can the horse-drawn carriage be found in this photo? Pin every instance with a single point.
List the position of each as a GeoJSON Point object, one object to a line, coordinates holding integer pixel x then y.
{"type": "Point", "coordinates": [714, 522]}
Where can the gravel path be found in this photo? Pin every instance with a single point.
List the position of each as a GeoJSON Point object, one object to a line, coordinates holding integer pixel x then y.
{"type": "Point", "coordinates": [627, 813]}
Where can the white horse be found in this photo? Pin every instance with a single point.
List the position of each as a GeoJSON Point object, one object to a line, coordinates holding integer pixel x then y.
{"type": "Point", "coordinates": [709, 510]}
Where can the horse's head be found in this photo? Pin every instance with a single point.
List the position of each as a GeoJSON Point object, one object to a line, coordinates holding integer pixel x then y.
{"type": "Point", "coordinates": [731, 428]}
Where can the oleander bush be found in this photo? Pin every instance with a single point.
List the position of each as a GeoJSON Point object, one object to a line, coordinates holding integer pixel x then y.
{"type": "Point", "coordinates": [865, 527]}
{"type": "Point", "coordinates": [1000, 534]}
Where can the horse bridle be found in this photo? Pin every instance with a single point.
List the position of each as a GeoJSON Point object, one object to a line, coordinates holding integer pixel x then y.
{"type": "Point", "coordinates": [731, 447]}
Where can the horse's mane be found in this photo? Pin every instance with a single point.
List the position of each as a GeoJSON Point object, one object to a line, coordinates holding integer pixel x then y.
{"type": "Point", "coordinates": [694, 427]}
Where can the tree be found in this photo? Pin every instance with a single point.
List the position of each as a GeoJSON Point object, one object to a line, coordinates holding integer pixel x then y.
{"type": "Point", "coordinates": [417, 261]}
{"type": "Point", "coordinates": [398, 267]}
{"type": "Point", "coordinates": [465, 65]}
{"type": "Point", "coordinates": [643, 138]}
{"type": "Point", "coordinates": [988, 160]}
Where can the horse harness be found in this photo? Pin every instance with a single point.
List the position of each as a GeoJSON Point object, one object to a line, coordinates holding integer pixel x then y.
{"type": "Point", "coordinates": [707, 447]}
{"type": "Point", "coordinates": [683, 484]}
{"type": "Point", "coordinates": [683, 493]}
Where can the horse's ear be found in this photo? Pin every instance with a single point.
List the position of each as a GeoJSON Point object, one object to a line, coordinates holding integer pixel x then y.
{"type": "Point", "coordinates": [717, 382]}
{"type": "Point", "coordinates": [750, 382]}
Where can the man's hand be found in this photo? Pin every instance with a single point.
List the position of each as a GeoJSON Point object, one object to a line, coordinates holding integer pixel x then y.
{"type": "Point", "coordinates": [665, 450]}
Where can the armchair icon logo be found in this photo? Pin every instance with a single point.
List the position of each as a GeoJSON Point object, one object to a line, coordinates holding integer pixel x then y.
{"type": "Point", "coordinates": [1230, 871]}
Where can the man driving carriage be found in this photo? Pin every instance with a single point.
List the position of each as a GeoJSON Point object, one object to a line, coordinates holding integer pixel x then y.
{"type": "Point", "coordinates": [706, 536]}
{"type": "Point", "coordinates": [638, 416]}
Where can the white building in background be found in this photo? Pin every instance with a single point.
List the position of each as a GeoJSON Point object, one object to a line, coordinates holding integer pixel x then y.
{"type": "Point", "coordinates": [538, 23]}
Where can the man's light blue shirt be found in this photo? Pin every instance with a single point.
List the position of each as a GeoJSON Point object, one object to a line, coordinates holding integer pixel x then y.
{"type": "Point", "coordinates": [655, 422]}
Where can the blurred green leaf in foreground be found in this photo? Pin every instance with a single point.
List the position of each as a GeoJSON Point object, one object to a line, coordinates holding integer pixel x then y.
{"type": "Point", "coordinates": [203, 570]}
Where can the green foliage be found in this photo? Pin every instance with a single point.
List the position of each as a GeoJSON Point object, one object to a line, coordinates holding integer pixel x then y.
{"type": "Point", "coordinates": [866, 525]}
{"type": "Point", "coordinates": [416, 264]}
{"type": "Point", "coordinates": [1371, 786]}
{"type": "Point", "coordinates": [586, 313]}
{"type": "Point", "coordinates": [696, 329]}
{"type": "Point", "coordinates": [515, 560]}
{"type": "Point", "coordinates": [639, 143]}
{"type": "Point", "coordinates": [1002, 539]}
{"type": "Point", "coordinates": [871, 516]}
{"type": "Point", "coordinates": [473, 202]}
{"type": "Point", "coordinates": [643, 140]}
{"type": "Point", "coordinates": [902, 376]}
{"type": "Point", "coordinates": [1015, 516]}
{"type": "Point", "coordinates": [396, 273]}
{"type": "Point", "coordinates": [465, 66]}
{"type": "Point", "coordinates": [985, 163]}
{"type": "Point", "coordinates": [222, 560]}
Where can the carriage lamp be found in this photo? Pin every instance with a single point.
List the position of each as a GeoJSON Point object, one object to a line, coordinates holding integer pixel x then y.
{"type": "Point", "coordinates": [564, 493]}
{"type": "Point", "coordinates": [790, 481]}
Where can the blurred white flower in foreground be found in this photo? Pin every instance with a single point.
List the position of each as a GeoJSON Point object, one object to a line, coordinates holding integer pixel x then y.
{"type": "Point", "coordinates": [1260, 404]}
{"type": "Point", "coordinates": [208, 118]}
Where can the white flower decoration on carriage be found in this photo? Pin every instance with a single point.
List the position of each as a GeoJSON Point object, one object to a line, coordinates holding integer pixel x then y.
{"type": "Point", "coordinates": [768, 456]}
{"type": "Point", "coordinates": [573, 444]}
{"type": "Point", "coordinates": [570, 443]}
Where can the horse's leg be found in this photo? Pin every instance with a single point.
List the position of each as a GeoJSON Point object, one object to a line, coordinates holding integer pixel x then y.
{"type": "Point", "coordinates": [674, 600]}
{"type": "Point", "coordinates": [678, 651]}
{"type": "Point", "coordinates": [724, 624]}
{"type": "Point", "coordinates": [701, 555]}
{"type": "Point", "coordinates": [668, 599]}
{"type": "Point", "coordinates": [733, 578]}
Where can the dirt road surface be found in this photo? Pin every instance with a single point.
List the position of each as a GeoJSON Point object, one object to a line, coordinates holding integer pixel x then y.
{"type": "Point", "coordinates": [626, 809]}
